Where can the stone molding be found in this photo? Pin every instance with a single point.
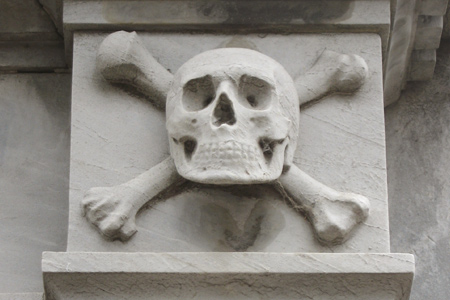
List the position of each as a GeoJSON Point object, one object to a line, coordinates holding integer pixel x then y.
{"type": "Point", "coordinates": [261, 16]}
{"type": "Point", "coordinates": [415, 36]}
{"type": "Point", "coordinates": [29, 40]}
{"type": "Point", "coordinates": [32, 56]}
{"type": "Point", "coordinates": [226, 275]}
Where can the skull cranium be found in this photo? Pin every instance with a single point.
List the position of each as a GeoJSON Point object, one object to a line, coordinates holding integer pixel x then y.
{"type": "Point", "coordinates": [232, 118]}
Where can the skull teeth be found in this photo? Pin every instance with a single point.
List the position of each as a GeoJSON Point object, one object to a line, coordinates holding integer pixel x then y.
{"type": "Point", "coordinates": [224, 151]}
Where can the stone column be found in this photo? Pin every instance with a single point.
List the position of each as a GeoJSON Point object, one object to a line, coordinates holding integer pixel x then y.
{"type": "Point", "coordinates": [216, 218]}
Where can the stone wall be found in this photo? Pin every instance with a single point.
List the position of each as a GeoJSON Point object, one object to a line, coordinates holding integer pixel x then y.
{"type": "Point", "coordinates": [34, 175]}
{"type": "Point", "coordinates": [418, 159]}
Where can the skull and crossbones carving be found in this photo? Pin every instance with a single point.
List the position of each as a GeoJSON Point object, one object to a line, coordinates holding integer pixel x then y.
{"type": "Point", "coordinates": [232, 123]}
{"type": "Point", "coordinates": [232, 117]}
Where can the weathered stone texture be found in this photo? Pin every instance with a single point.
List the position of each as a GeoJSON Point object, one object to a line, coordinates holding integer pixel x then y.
{"type": "Point", "coordinates": [224, 276]}
{"type": "Point", "coordinates": [22, 296]}
{"type": "Point", "coordinates": [54, 9]}
{"type": "Point", "coordinates": [32, 56]}
{"type": "Point", "coordinates": [116, 136]}
{"type": "Point", "coordinates": [446, 30]}
{"type": "Point", "coordinates": [29, 40]}
{"type": "Point", "coordinates": [418, 156]}
{"type": "Point", "coordinates": [34, 164]}
{"type": "Point", "coordinates": [25, 20]}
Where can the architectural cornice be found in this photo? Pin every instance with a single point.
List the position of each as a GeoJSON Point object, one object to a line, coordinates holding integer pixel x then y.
{"type": "Point", "coordinates": [415, 36]}
{"type": "Point", "coordinates": [265, 16]}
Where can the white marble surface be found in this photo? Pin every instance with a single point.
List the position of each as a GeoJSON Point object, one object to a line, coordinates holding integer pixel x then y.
{"type": "Point", "coordinates": [116, 136]}
{"type": "Point", "coordinates": [227, 276]}
{"type": "Point", "coordinates": [34, 175]}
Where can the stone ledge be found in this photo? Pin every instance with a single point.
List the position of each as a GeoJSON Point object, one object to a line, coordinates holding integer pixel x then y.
{"type": "Point", "coordinates": [82, 275]}
{"type": "Point", "coordinates": [231, 16]}
{"type": "Point", "coordinates": [42, 56]}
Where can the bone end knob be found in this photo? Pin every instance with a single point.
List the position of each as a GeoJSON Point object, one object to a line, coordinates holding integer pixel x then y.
{"type": "Point", "coordinates": [334, 219]}
{"type": "Point", "coordinates": [333, 72]}
{"type": "Point", "coordinates": [350, 73]}
{"type": "Point", "coordinates": [122, 58]}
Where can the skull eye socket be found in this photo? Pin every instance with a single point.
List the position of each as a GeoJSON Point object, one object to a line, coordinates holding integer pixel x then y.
{"type": "Point", "coordinates": [198, 93]}
{"type": "Point", "coordinates": [255, 93]}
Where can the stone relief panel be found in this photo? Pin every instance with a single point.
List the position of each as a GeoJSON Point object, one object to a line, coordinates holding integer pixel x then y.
{"type": "Point", "coordinates": [232, 181]}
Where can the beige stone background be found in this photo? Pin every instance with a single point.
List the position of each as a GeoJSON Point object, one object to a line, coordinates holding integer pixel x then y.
{"type": "Point", "coordinates": [34, 155]}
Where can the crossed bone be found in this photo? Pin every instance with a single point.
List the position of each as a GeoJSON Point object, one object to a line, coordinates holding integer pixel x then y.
{"type": "Point", "coordinates": [112, 210]}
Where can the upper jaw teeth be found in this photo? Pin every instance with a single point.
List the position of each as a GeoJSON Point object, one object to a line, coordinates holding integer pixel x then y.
{"type": "Point", "coordinates": [226, 150]}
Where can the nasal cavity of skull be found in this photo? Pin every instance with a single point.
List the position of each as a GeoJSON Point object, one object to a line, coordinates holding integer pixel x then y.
{"type": "Point", "coordinates": [224, 112]}
{"type": "Point", "coordinates": [267, 146]}
{"type": "Point", "coordinates": [189, 144]}
{"type": "Point", "coordinates": [255, 93]}
{"type": "Point", "coordinates": [198, 93]}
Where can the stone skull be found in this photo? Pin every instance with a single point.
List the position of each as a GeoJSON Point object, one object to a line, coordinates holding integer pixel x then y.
{"type": "Point", "coordinates": [232, 118]}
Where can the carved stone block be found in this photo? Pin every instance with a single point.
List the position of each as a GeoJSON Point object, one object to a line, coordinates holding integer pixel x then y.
{"type": "Point", "coordinates": [117, 134]}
